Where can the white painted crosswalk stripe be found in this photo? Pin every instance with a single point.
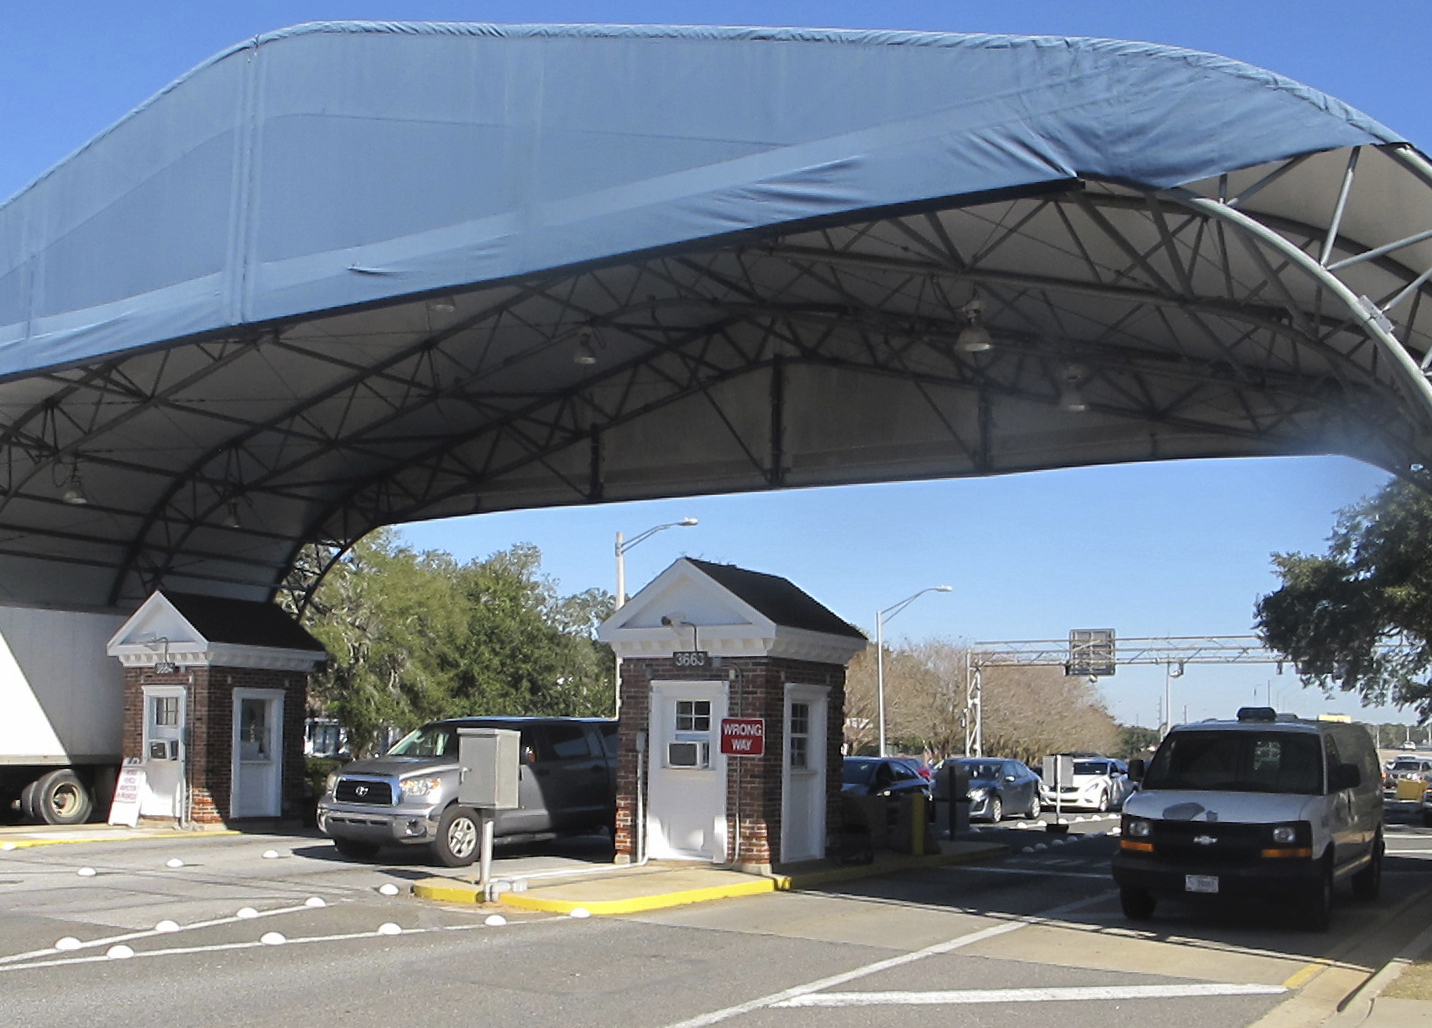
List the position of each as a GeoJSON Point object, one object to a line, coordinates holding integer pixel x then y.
{"type": "Point", "coordinates": [963, 997]}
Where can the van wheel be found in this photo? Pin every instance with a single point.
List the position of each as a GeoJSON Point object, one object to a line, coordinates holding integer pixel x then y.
{"type": "Point", "coordinates": [1137, 904]}
{"type": "Point", "coordinates": [60, 798]}
{"type": "Point", "coordinates": [1367, 883]}
{"type": "Point", "coordinates": [356, 850]}
{"type": "Point", "coordinates": [458, 831]}
{"type": "Point", "coordinates": [1318, 914]}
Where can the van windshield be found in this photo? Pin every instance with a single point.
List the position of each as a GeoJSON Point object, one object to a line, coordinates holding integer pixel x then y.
{"type": "Point", "coordinates": [428, 741]}
{"type": "Point", "coordinates": [1284, 762]}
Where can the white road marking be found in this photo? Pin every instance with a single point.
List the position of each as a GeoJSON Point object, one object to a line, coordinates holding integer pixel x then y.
{"type": "Point", "coordinates": [220, 947]}
{"type": "Point", "coordinates": [1043, 872]}
{"type": "Point", "coordinates": [1047, 995]}
{"type": "Point", "coordinates": [948, 946]}
{"type": "Point", "coordinates": [147, 933]}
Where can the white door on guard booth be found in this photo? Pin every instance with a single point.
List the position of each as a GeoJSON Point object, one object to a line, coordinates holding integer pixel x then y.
{"type": "Point", "coordinates": [258, 758]}
{"type": "Point", "coordinates": [686, 806]}
{"type": "Point", "coordinates": [803, 785]}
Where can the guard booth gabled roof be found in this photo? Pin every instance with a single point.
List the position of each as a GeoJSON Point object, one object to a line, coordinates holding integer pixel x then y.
{"type": "Point", "coordinates": [728, 611]}
{"type": "Point", "coordinates": [354, 274]}
{"type": "Point", "coordinates": [189, 630]}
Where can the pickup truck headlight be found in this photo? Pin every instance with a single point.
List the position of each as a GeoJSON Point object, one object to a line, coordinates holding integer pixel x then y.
{"type": "Point", "coordinates": [1137, 828]}
{"type": "Point", "coordinates": [419, 788]}
{"type": "Point", "coordinates": [331, 782]}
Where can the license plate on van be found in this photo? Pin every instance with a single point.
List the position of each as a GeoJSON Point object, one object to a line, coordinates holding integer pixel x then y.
{"type": "Point", "coordinates": [1200, 883]}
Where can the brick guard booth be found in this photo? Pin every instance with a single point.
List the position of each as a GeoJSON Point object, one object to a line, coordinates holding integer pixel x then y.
{"type": "Point", "coordinates": [215, 695]}
{"type": "Point", "coordinates": [772, 654]}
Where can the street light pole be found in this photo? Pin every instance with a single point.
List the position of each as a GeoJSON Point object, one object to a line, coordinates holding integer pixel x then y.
{"type": "Point", "coordinates": [882, 616]}
{"type": "Point", "coordinates": [622, 546]}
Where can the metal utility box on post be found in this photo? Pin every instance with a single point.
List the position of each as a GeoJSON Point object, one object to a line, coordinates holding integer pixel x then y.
{"type": "Point", "coordinates": [491, 760]}
{"type": "Point", "coordinates": [1059, 774]}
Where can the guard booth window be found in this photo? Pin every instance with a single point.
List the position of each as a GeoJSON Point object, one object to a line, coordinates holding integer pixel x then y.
{"type": "Point", "coordinates": [166, 711]}
{"type": "Point", "coordinates": [800, 736]}
{"type": "Point", "coordinates": [693, 715]}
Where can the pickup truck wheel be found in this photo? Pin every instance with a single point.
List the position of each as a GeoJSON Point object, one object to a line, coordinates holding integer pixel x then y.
{"type": "Point", "coordinates": [355, 850]}
{"type": "Point", "coordinates": [60, 798]}
{"type": "Point", "coordinates": [458, 831]}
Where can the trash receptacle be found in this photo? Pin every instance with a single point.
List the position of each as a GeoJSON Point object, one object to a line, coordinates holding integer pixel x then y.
{"type": "Point", "coordinates": [952, 798]}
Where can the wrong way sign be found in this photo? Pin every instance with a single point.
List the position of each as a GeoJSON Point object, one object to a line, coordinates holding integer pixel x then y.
{"type": "Point", "coordinates": [743, 736]}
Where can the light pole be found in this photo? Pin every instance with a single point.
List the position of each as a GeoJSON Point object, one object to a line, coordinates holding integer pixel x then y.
{"type": "Point", "coordinates": [881, 616]}
{"type": "Point", "coordinates": [624, 544]}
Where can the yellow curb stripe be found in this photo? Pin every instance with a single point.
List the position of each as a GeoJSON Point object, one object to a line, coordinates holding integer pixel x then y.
{"type": "Point", "coordinates": [638, 904]}
{"type": "Point", "coordinates": [447, 891]}
{"type": "Point", "coordinates": [25, 844]}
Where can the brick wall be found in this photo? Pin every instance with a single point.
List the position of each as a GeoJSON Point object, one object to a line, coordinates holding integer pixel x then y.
{"type": "Point", "coordinates": [753, 784]}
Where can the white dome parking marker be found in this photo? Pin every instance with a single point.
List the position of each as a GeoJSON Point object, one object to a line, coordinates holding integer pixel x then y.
{"type": "Point", "coordinates": [86, 872]}
{"type": "Point", "coordinates": [580, 912]}
{"type": "Point", "coordinates": [388, 889]}
{"type": "Point", "coordinates": [270, 854]}
{"type": "Point", "coordinates": [272, 939]}
{"type": "Point", "coordinates": [120, 952]}
{"type": "Point", "coordinates": [495, 921]}
{"type": "Point", "coordinates": [389, 928]}
{"type": "Point", "coordinates": [315, 902]}
{"type": "Point", "coordinates": [167, 926]}
{"type": "Point", "coordinates": [69, 942]}
{"type": "Point", "coordinates": [174, 862]}
{"type": "Point", "coordinates": [7, 846]}
{"type": "Point", "coordinates": [246, 912]}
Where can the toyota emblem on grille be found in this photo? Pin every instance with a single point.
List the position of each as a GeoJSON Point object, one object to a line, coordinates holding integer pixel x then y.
{"type": "Point", "coordinates": [1204, 840]}
{"type": "Point", "coordinates": [362, 790]}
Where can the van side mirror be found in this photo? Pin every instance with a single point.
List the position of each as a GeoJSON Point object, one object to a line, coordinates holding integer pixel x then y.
{"type": "Point", "coordinates": [1344, 776]}
{"type": "Point", "coordinates": [1136, 770]}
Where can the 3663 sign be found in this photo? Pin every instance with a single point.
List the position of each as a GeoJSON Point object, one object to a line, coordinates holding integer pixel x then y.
{"type": "Point", "coordinates": [691, 658]}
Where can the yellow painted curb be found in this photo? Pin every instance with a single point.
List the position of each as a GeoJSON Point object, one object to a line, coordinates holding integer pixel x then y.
{"type": "Point", "coordinates": [637, 904]}
{"type": "Point", "coordinates": [447, 891]}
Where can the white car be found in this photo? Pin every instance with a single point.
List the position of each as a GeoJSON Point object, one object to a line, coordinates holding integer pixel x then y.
{"type": "Point", "coordinates": [1098, 783]}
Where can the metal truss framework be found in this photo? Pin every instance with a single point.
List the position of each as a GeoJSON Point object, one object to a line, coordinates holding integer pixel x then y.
{"type": "Point", "coordinates": [1275, 311]}
{"type": "Point", "coordinates": [1172, 652]}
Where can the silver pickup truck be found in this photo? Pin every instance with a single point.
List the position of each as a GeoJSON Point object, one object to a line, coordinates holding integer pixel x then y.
{"type": "Point", "coordinates": [566, 784]}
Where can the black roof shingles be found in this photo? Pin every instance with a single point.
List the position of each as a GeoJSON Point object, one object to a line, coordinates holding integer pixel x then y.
{"type": "Point", "coordinates": [777, 598]}
{"type": "Point", "coordinates": [242, 622]}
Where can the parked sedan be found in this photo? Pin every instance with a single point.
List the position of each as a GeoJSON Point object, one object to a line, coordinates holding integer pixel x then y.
{"type": "Point", "coordinates": [881, 776]}
{"type": "Point", "coordinates": [1098, 783]}
{"type": "Point", "coordinates": [998, 787]}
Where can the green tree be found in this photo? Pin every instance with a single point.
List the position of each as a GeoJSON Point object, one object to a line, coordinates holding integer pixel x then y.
{"type": "Point", "coordinates": [1359, 617]}
{"type": "Point", "coordinates": [416, 636]}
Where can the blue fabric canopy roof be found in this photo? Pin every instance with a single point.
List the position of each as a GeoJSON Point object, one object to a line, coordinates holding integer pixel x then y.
{"type": "Point", "coordinates": [340, 164]}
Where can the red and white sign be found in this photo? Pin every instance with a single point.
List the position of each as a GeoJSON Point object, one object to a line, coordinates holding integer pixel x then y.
{"type": "Point", "coordinates": [743, 736]}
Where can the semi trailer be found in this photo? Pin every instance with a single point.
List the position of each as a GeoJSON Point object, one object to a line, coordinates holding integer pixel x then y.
{"type": "Point", "coordinates": [61, 713]}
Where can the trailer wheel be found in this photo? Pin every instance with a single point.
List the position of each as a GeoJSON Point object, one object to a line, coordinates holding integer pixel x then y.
{"type": "Point", "coordinates": [60, 798]}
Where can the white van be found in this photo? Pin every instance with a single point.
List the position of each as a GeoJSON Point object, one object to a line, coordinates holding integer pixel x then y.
{"type": "Point", "coordinates": [1264, 807]}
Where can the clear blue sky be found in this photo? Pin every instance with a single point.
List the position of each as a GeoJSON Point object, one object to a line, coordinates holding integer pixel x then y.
{"type": "Point", "coordinates": [1174, 549]}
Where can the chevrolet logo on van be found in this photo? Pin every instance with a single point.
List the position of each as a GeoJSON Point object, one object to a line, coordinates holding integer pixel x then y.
{"type": "Point", "coordinates": [1204, 840]}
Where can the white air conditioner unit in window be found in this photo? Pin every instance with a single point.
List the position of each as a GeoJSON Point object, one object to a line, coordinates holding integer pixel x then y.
{"type": "Point", "coordinates": [688, 754]}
